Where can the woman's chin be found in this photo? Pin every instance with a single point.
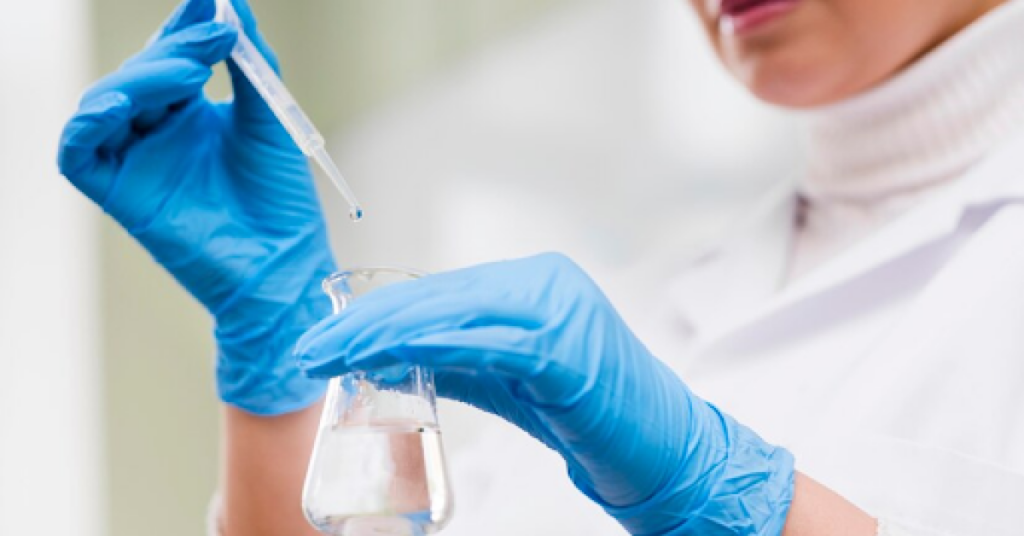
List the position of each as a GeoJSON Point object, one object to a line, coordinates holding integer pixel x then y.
{"type": "Point", "coordinates": [797, 95]}
{"type": "Point", "coordinates": [798, 86]}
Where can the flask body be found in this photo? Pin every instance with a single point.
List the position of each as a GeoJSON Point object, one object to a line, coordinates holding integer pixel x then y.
{"type": "Point", "coordinates": [378, 465]}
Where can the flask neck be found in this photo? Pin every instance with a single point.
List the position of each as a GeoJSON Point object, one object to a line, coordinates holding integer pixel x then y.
{"type": "Point", "coordinates": [343, 287]}
{"type": "Point", "coordinates": [340, 299]}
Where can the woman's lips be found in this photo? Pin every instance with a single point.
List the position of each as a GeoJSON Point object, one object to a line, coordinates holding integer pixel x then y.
{"type": "Point", "coordinates": [739, 17]}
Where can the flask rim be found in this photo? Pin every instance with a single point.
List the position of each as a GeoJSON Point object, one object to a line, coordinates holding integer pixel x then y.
{"type": "Point", "coordinates": [358, 271]}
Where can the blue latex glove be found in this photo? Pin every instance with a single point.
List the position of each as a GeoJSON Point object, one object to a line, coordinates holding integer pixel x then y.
{"type": "Point", "coordinates": [537, 343]}
{"type": "Point", "coordinates": [219, 195]}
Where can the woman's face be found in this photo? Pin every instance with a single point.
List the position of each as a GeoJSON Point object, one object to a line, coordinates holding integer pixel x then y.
{"type": "Point", "coordinates": [804, 53]}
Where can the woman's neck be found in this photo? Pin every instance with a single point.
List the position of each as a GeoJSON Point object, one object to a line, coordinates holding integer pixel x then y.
{"type": "Point", "coordinates": [928, 124]}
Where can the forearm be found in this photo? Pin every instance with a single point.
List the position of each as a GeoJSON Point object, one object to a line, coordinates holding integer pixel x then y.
{"type": "Point", "coordinates": [264, 464]}
{"type": "Point", "coordinates": [818, 511]}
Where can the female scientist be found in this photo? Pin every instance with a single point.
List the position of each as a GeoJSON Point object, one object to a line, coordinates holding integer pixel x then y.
{"type": "Point", "coordinates": [870, 320]}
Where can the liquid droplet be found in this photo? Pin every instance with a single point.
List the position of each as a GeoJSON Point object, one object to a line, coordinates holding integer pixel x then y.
{"type": "Point", "coordinates": [355, 214]}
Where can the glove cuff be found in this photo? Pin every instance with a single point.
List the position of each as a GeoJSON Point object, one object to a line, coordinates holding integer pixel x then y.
{"type": "Point", "coordinates": [746, 492]}
{"type": "Point", "coordinates": [752, 494]}
{"type": "Point", "coordinates": [256, 369]}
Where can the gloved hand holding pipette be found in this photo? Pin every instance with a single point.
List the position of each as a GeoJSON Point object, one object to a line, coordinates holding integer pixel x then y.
{"type": "Point", "coordinates": [218, 193]}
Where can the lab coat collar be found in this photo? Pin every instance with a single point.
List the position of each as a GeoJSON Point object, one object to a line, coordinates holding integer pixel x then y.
{"type": "Point", "coordinates": [740, 283]}
{"type": "Point", "coordinates": [716, 284]}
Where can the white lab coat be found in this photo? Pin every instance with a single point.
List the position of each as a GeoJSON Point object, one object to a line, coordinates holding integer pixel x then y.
{"type": "Point", "coordinates": [894, 372]}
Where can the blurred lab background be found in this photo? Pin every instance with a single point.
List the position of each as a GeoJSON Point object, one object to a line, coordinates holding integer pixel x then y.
{"type": "Point", "coordinates": [472, 130]}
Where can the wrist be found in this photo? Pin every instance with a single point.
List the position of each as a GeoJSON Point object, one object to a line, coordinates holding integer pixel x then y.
{"type": "Point", "coordinates": [264, 465]}
{"type": "Point", "coordinates": [817, 510]}
{"type": "Point", "coordinates": [745, 485]}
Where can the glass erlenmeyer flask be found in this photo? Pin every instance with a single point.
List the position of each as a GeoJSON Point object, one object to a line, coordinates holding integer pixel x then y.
{"type": "Point", "coordinates": [378, 468]}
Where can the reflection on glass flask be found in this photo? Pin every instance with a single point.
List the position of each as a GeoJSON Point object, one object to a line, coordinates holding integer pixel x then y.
{"type": "Point", "coordinates": [378, 468]}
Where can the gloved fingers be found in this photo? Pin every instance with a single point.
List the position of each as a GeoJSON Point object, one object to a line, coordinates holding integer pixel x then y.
{"type": "Point", "coordinates": [542, 377]}
{"type": "Point", "coordinates": [97, 121]}
{"type": "Point", "coordinates": [502, 349]}
{"type": "Point", "coordinates": [538, 378]}
{"type": "Point", "coordinates": [155, 88]}
{"type": "Point", "coordinates": [508, 351]}
{"type": "Point", "coordinates": [379, 305]}
{"type": "Point", "coordinates": [179, 75]}
{"type": "Point", "coordinates": [368, 309]}
{"type": "Point", "coordinates": [208, 43]}
{"type": "Point", "coordinates": [325, 349]}
{"type": "Point", "coordinates": [384, 320]}
{"type": "Point", "coordinates": [188, 13]}
{"type": "Point", "coordinates": [533, 379]}
{"type": "Point", "coordinates": [157, 85]}
{"type": "Point", "coordinates": [249, 105]}
{"type": "Point", "coordinates": [461, 298]}
{"type": "Point", "coordinates": [489, 394]}
{"type": "Point", "coordinates": [105, 123]}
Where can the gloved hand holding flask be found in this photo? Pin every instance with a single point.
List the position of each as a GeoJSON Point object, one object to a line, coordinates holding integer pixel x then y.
{"type": "Point", "coordinates": [537, 343]}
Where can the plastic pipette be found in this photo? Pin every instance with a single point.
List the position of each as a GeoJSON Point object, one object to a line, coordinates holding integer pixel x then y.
{"type": "Point", "coordinates": [269, 85]}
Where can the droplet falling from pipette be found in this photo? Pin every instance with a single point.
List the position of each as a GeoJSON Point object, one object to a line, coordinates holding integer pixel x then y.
{"type": "Point", "coordinates": [319, 154]}
{"type": "Point", "coordinates": [268, 84]}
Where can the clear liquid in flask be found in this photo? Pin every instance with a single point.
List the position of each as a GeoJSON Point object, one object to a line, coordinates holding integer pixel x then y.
{"type": "Point", "coordinates": [379, 481]}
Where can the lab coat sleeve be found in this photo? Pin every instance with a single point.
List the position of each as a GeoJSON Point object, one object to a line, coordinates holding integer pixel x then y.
{"type": "Point", "coordinates": [213, 516]}
{"type": "Point", "coordinates": [888, 528]}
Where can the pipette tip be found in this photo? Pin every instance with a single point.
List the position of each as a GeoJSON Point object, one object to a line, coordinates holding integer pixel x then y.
{"type": "Point", "coordinates": [355, 213]}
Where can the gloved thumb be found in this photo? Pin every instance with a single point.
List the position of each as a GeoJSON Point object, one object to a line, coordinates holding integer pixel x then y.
{"type": "Point", "coordinates": [190, 12]}
{"type": "Point", "coordinates": [208, 43]}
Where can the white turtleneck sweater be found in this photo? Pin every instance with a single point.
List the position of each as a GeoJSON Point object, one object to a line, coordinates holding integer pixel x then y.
{"type": "Point", "coordinates": [876, 155]}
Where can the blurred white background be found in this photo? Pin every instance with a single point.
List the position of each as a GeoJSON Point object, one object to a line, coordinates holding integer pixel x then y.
{"type": "Point", "coordinates": [473, 130]}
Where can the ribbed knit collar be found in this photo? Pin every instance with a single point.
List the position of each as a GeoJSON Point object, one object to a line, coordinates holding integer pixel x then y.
{"type": "Point", "coordinates": [928, 124]}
